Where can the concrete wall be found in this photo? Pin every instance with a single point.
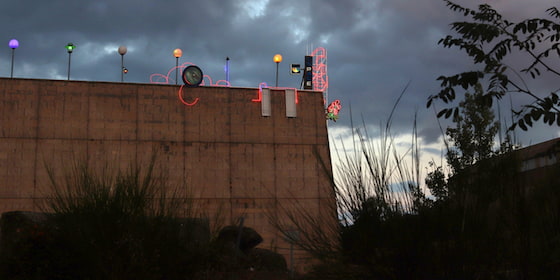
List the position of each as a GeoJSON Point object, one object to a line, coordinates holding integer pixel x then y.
{"type": "Point", "coordinates": [230, 156]}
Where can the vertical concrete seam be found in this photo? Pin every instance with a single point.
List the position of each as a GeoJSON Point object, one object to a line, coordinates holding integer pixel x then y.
{"type": "Point", "coordinates": [38, 99]}
{"type": "Point", "coordinates": [88, 121]}
{"type": "Point", "coordinates": [184, 143]}
{"type": "Point", "coordinates": [229, 160]}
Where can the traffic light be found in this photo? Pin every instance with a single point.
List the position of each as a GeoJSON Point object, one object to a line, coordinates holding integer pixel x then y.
{"type": "Point", "coordinates": [124, 70]}
{"type": "Point", "coordinates": [308, 73]}
{"type": "Point", "coordinates": [295, 69]}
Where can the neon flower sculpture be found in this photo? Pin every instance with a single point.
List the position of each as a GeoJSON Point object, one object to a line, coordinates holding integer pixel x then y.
{"type": "Point", "coordinates": [333, 109]}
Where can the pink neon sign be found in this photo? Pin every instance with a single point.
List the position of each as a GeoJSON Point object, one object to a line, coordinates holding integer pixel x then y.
{"type": "Point", "coordinates": [320, 77]}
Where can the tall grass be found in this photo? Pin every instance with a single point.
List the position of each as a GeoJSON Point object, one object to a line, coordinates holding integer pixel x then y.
{"type": "Point", "coordinates": [116, 224]}
{"type": "Point", "coordinates": [373, 178]}
{"type": "Point", "coordinates": [376, 169]}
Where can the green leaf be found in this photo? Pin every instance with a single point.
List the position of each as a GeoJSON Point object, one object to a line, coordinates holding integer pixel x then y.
{"type": "Point", "coordinates": [522, 125]}
{"type": "Point", "coordinates": [536, 114]}
{"type": "Point", "coordinates": [527, 119]}
{"type": "Point", "coordinates": [429, 103]}
{"type": "Point", "coordinates": [554, 98]}
{"type": "Point", "coordinates": [441, 113]}
{"type": "Point", "coordinates": [448, 114]}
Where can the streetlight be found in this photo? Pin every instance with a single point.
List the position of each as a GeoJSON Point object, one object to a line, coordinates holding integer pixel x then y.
{"type": "Point", "coordinates": [69, 47]}
{"type": "Point", "coordinates": [14, 44]}
{"type": "Point", "coordinates": [277, 58]}
{"type": "Point", "coordinates": [122, 51]}
{"type": "Point", "coordinates": [177, 53]}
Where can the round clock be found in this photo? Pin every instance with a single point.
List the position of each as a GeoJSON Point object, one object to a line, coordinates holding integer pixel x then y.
{"type": "Point", "coordinates": [192, 76]}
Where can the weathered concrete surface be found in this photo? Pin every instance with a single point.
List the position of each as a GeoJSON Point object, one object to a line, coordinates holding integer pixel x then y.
{"type": "Point", "coordinates": [234, 161]}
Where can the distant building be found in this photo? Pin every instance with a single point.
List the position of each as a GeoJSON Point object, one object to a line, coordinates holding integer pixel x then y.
{"type": "Point", "coordinates": [540, 163]}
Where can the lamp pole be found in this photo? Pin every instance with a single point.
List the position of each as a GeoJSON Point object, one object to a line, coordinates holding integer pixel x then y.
{"type": "Point", "coordinates": [122, 51]}
{"type": "Point", "coordinates": [13, 44]}
{"type": "Point", "coordinates": [277, 59]}
{"type": "Point", "coordinates": [69, 47]}
{"type": "Point", "coordinates": [177, 53]}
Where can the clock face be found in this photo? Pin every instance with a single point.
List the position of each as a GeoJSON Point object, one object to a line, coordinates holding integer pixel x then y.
{"type": "Point", "coordinates": [192, 76]}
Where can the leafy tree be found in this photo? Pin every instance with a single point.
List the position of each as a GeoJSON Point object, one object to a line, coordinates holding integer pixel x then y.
{"type": "Point", "coordinates": [473, 136]}
{"type": "Point", "coordinates": [472, 140]}
{"type": "Point", "coordinates": [436, 182]}
{"type": "Point", "coordinates": [490, 39]}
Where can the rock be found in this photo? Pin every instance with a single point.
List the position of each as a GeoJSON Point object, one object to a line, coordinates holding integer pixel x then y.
{"type": "Point", "coordinates": [248, 239]}
{"type": "Point", "coordinates": [266, 260]}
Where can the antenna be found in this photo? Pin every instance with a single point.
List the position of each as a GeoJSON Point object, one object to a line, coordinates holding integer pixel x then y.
{"type": "Point", "coordinates": [227, 69]}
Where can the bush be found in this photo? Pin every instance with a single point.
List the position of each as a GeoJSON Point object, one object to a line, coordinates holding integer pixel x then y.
{"type": "Point", "coordinates": [125, 226]}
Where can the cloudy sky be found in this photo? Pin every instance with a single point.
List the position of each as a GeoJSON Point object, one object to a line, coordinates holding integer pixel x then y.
{"type": "Point", "coordinates": [375, 47]}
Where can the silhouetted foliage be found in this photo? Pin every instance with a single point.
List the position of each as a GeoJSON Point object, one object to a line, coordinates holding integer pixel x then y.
{"type": "Point", "coordinates": [125, 225]}
{"type": "Point", "coordinates": [490, 39]}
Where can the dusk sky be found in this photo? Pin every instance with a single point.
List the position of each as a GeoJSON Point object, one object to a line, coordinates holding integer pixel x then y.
{"type": "Point", "coordinates": [375, 47]}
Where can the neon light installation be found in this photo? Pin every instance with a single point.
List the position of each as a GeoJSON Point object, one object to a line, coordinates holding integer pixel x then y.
{"type": "Point", "coordinates": [320, 76]}
{"type": "Point", "coordinates": [264, 85]}
{"type": "Point", "coordinates": [165, 79]}
{"type": "Point", "coordinates": [180, 93]}
{"type": "Point", "coordinates": [333, 109]}
{"type": "Point", "coordinates": [320, 81]}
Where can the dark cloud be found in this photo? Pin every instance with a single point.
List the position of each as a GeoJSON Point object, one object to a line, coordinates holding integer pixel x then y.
{"type": "Point", "coordinates": [375, 47]}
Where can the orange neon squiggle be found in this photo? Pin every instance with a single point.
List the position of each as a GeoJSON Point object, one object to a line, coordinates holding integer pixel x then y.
{"type": "Point", "coordinates": [222, 83]}
{"type": "Point", "coordinates": [183, 100]}
{"type": "Point", "coordinates": [259, 92]}
{"type": "Point", "coordinates": [165, 79]}
{"type": "Point", "coordinates": [264, 85]}
{"type": "Point", "coordinates": [154, 79]}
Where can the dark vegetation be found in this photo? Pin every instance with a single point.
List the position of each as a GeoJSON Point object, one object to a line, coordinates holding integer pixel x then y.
{"type": "Point", "coordinates": [126, 225]}
{"type": "Point", "coordinates": [487, 219]}
{"type": "Point", "coordinates": [497, 45]}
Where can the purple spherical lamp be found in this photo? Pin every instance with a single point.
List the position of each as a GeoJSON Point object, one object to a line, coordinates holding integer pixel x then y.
{"type": "Point", "coordinates": [14, 44]}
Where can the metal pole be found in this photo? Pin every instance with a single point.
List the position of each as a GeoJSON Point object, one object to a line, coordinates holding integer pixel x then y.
{"type": "Point", "coordinates": [12, 72]}
{"type": "Point", "coordinates": [176, 70]}
{"type": "Point", "coordinates": [227, 69]}
{"type": "Point", "coordinates": [122, 68]}
{"type": "Point", "coordinates": [277, 63]}
{"type": "Point", "coordinates": [69, 59]}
